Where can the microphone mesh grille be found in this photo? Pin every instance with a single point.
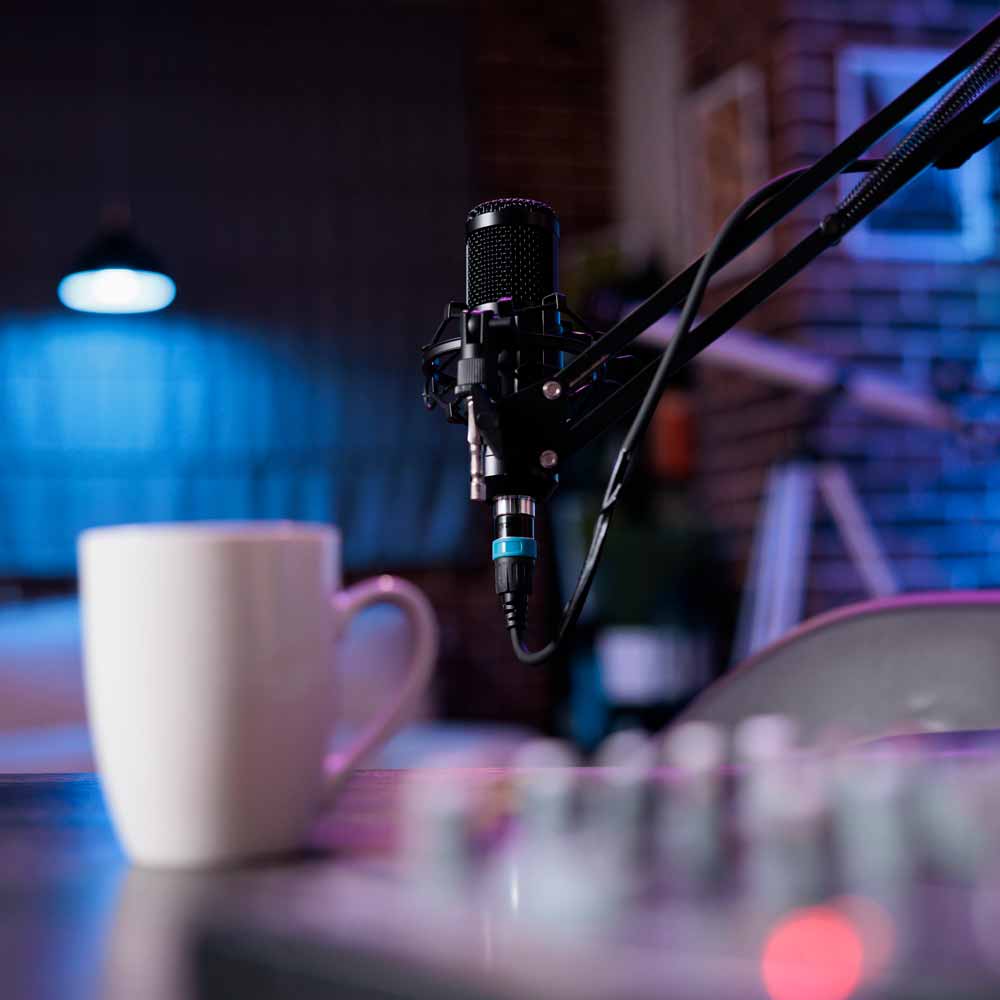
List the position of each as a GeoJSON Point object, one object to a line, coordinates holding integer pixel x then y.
{"type": "Point", "coordinates": [510, 260]}
{"type": "Point", "coordinates": [495, 204]}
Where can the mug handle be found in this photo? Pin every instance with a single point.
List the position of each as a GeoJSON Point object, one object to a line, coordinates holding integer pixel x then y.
{"type": "Point", "coordinates": [424, 647]}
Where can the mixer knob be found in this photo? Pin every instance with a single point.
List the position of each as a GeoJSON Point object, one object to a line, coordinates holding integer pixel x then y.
{"type": "Point", "coordinates": [781, 812]}
{"type": "Point", "coordinates": [437, 841]}
{"type": "Point", "coordinates": [955, 805]}
{"type": "Point", "coordinates": [870, 819]}
{"type": "Point", "coordinates": [617, 799]}
{"type": "Point", "coordinates": [689, 817]}
{"type": "Point", "coordinates": [545, 780]}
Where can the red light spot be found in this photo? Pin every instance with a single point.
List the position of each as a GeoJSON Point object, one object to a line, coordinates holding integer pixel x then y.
{"type": "Point", "coordinates": [813, 954]}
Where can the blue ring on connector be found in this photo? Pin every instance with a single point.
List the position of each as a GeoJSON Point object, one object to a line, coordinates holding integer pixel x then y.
{"type": "Point", "coordinates": [514, 546]}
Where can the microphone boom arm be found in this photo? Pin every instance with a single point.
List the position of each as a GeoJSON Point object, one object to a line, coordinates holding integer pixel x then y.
{"type": "Point", "coordinates": [531, 423]}
{"type": "Point", "coordinates": [842, 156]}
{"type": "Point", "coordinates": [969, 130]}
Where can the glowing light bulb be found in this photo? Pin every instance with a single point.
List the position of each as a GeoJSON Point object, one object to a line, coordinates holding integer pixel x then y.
{"type": "Point", "coordinates": [116, 290]}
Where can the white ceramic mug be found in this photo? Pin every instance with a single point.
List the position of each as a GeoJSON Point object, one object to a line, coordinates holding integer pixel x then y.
{"type": "Point", "coordinates": [209, 651]}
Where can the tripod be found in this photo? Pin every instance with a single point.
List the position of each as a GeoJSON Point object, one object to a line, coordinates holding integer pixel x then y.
{"type": "Point", "coordinates": [774, 594]}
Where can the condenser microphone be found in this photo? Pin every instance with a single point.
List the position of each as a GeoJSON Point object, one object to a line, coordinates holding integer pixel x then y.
{"type": "Point", "coordinates": [513, 337]}
{"type": "Point", "coordinates": [511, 270]}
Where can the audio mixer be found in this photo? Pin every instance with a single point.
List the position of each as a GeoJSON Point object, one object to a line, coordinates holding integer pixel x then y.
{"type": "Point", "coordinates": [706, 865]}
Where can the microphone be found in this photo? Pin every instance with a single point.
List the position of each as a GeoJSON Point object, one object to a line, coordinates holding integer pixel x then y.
{"type": "Point", "coordinates": [511, 340]}
{"type": "Point", "coordinates": [511, 268]}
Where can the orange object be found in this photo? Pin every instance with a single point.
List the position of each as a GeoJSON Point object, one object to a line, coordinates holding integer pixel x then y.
{"type": "Point", "coordinates": [672, 437]}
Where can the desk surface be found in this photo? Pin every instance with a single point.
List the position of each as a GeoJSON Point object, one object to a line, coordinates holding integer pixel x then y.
{"type": "Point", "coordinates": [77, 922]}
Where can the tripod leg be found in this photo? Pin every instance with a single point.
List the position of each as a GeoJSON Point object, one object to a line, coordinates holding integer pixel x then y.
{"type": "Point", "coordinates": [856, 530]}
{"type": "Point", "coordinates": [775, 587]}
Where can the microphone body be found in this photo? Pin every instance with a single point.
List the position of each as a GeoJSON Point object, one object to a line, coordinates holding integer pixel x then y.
{"type": "Point", "coordinates": [511, 268]}
{"type": "Point", "coordinates": [511, 255]}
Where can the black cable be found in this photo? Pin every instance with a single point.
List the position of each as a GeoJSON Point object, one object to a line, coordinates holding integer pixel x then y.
{"type": "Point", "coordinates": [640, 422]}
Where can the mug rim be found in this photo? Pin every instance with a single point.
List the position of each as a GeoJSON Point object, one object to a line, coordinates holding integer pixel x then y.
{"type": "Point", "coordinates": [246, 531]}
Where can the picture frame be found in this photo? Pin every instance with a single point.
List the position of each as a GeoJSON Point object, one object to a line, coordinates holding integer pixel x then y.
{"type": "Point", "coordinates": [728, 124]}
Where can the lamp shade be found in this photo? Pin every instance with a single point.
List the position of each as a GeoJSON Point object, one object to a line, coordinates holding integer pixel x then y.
{"type": "Point", "coordinates": [116, 274]}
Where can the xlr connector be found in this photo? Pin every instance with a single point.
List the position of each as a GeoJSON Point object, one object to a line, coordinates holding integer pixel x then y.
{"type": "Point", "coordinates": [514, 553]}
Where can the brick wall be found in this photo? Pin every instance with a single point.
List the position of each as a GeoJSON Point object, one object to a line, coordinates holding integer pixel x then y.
{"type": "Point", "coordinates": [930, 500]}
{"type": "Point", "coordinates": [540, 107]}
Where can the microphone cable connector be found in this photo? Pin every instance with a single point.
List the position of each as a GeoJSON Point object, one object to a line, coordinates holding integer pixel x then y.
{"type": "Point", "coordinates": [514, 553]}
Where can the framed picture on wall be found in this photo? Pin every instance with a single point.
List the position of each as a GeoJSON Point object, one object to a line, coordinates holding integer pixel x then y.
{"type": "Point", "coordinates": [729, 158]}
{"type": "Point", "coordinates": [945, 215]}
